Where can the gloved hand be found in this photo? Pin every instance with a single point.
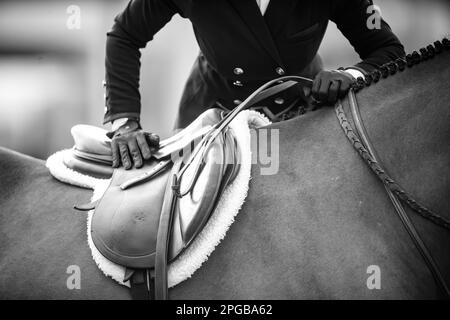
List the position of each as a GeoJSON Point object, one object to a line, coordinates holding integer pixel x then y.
{"type": "Point", "coordinates": [329, 86]}
{"type": "Point", "coordinates": [130, 144]}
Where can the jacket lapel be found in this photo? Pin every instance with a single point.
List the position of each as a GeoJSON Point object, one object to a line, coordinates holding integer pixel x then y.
{"type": "Point", "coordinates": [276, 14]}
{"type": "Point", "coordinates": [251, 15]}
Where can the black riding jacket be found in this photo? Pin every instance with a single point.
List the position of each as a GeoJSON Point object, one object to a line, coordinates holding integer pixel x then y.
{"type": "Point", "coordinates": [239, 48]}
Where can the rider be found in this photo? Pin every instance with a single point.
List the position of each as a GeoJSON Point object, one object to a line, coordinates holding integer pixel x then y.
{"type": "Point", "coordinates": [243, 43]}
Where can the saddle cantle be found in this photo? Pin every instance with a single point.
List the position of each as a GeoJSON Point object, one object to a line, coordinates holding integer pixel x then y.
{"type": "Point", "coordinates": [91, 154]}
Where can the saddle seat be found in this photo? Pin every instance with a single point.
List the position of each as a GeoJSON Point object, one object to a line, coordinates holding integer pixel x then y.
{"type": "Point", "coordinates": [126, 220]}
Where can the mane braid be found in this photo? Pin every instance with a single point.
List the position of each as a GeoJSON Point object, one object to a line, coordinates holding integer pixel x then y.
{"type": "Point", "coordinates": [400, 64]}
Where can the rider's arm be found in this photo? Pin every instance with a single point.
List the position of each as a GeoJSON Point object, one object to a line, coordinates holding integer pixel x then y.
{"type": "Point", "coordinates": [375, 46]}
{"type": "Point", "coordinates": [131, 31]}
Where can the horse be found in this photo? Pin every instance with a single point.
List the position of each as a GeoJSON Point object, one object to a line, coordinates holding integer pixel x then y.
{"type": "Point", "coordinates": [322, 227]}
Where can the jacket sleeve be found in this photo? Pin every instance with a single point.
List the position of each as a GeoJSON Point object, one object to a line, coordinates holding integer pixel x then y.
{"type": "Point", "coordinates": [375, 46]}
{"type": "Point", "coordinates": [132, 29]}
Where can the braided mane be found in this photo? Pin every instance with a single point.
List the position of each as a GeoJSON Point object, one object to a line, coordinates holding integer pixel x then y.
{"type": "Point", "coordinates": [400, 64]}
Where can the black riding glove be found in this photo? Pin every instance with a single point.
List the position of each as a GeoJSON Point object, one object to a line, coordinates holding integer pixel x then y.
{"type": "Point", "coordinates": [131, 140]}
{"type": "Point", "coordinates": [329, 86]}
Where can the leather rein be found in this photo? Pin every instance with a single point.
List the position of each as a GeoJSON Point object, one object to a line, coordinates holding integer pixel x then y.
{"type": "Point", "coordinates": [358, 137]}
{"type": "Point", "coordinates": [268, 89]}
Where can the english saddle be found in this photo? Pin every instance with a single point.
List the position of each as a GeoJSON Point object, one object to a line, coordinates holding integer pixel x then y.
{"type": "Point", "coordinates": [148, 216]}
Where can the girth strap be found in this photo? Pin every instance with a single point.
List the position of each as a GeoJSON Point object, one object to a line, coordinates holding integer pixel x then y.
{"type": "Point", "coordinates": [141, 283]}
{"type": "Point", "coordinates": [360, 138]}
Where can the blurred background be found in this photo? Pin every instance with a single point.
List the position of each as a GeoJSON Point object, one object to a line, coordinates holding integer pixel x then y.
{"type": "Point", "coordinates": [51, 73]}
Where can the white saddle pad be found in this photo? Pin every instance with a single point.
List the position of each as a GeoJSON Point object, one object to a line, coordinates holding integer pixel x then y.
{"type": "Point", "coordinates": [214, 231]}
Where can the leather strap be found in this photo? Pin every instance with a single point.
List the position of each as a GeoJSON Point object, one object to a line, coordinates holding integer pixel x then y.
{"type": "Point", "coordinates": [163, 238]}
{"type": "Point", "coordinates": [86, 206]}
{"type": "Point", "coordinates": [277, 85]}
{"type": "Point", "coordinates": [141, 284]}
{"type": "Point", "coordinates": [158, 168]}
{"type": "Point", "coordinates": [273, 91]}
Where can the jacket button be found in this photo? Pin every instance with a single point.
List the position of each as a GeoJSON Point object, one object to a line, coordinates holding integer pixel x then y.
{"type": "Point", "coordinates": [238, 71]}
{"type": "Point", "coordinates": [280, 71]}
{"type": "Point", "coordinates": [237, 102]}
{"type": "Point", "coordinates": [238, 83]}
{"type": "Point", "coordinates": [279, 100]}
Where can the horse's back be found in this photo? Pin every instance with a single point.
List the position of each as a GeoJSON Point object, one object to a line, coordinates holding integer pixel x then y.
{"type": "Point", "coordinates": [41, 237]}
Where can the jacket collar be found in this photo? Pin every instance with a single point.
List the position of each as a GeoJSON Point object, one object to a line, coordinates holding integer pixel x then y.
{"type": "Point", "coordinates": [251, 15]}
{"type": "Point", "coordinates": [276, 14]}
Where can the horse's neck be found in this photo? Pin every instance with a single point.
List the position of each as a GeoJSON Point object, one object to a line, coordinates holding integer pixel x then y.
{"type": "Point", "coordinates": [407, 117]}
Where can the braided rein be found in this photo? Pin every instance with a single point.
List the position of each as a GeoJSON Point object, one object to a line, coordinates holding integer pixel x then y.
{"type": "Point", "coordinates": [379, 171]}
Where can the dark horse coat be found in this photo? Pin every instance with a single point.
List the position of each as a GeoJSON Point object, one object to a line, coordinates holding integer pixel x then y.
{"type": "Point", "coordinates": [240, 48]}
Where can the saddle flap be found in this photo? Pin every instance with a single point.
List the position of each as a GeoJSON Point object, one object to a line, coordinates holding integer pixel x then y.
{"type": "Point", "coordinates": [194, 209]}
{"type": "Point", "coordinates": [125, 222]}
